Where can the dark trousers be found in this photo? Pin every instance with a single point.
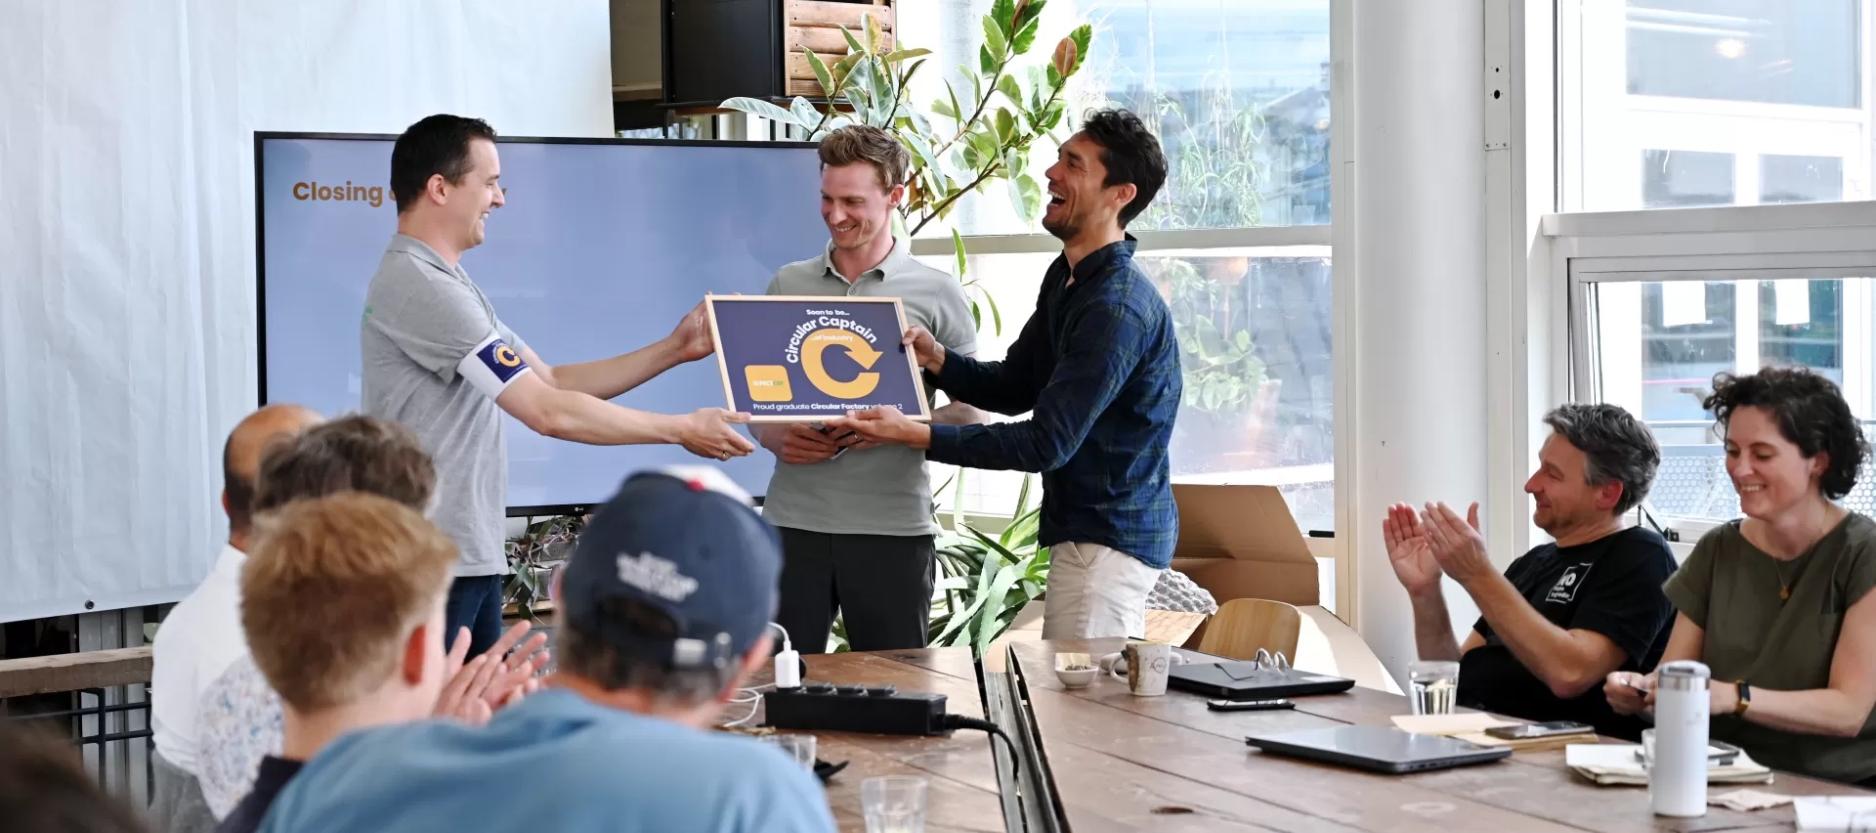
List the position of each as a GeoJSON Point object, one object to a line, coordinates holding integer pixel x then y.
{"type": "Point", "coordinates": [882, 584]}
{"type": "Point", "coordinates": [475, 602]}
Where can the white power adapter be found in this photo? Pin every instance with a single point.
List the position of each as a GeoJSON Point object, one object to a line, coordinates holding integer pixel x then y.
{"type": "Point", "coordinates": [787, 663]}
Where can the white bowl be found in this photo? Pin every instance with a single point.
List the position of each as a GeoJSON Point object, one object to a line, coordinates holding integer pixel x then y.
{"type": "Point", "coordinates": [1076, 677]}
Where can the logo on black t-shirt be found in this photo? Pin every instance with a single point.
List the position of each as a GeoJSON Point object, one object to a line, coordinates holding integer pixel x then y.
{"type": "Point", "coordinates": [1564, 591]}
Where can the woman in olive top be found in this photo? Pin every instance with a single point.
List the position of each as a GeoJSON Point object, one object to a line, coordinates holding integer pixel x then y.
{"type": "Point", "coordinates": [1778, 604]}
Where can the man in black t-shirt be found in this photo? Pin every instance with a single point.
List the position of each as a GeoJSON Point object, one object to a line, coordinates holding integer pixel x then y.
{"type": "Point", "coordinates": [1567, 613]}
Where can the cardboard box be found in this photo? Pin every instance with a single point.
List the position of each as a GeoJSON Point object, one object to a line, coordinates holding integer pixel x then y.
{"type": "Point", "coordinates": [1240, 542]}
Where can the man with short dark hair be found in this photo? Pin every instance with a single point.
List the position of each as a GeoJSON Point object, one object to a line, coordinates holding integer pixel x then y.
{"type": "Point", "coordinates": [663, 612]}
{"type": "Point", "coordinates": [856, 520]}
{"type": "Point", "coordinates": [1098, 367]}
{"type": "Point", "coordinates": [1569, 612]}
{"type": "Point", "coordinates": [439, 360]}
{"type": "Point", "coordinates": [201, 636]}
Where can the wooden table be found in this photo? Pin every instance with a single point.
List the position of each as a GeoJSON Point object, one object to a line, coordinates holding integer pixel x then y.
{"type": "Point", "coordinates": [1120, 762]}
{"type": "Point", "coordinates": [965, 794]}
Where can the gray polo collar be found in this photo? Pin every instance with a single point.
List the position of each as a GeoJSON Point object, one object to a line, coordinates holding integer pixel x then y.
{"type": "Point", "coordinates": [401, 242]}
{"type": "Point", "coordinates": [896, 260]}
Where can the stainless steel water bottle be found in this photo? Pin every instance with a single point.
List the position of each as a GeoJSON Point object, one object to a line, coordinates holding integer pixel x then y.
{"type": "Point", "coordinates": [1677, 776]}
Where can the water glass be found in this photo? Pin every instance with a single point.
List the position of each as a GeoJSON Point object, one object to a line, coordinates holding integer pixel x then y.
{"type": "Point", "coordinates": [1434, 686]}
{"type": "Point", "coordinates": [798, 747]}
{"type": "Point", "coordinates": [894, 804]}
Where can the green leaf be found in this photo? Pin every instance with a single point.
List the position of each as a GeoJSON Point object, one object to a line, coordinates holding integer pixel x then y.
{"type": "Point", "coordinates": [1053, 116]}
{"type": "Point", "coordinates": [1055, 78]}
{"type": "Point", "coordinates": [977, 316]}
{"type": "Point", "coordinates": [1033, 11]}
{"type": "Point", "coordinates": [992, 605]}
{"type": "Point", "coordinates": [805, 114]}
{"type": "Point", "coordinates": [1025, 37]}
{"type": "Point", "coordinates": [843, 68]}
{"type": "Point", "coordinates": [1027, 197]}
{"type": "Point", "coordinates": [995, 39]}
{"type": "Point", "coordinates": [903, 54]}
{"type": "Point", "coordinates": [986, 64]}
{"type": "Point", "coordinates": [1081, 35]}
{"type": "Point", "coordinates": [1006, 125]}
{"type": "Point", "coordinates": [1002, 15]}
{"type": "Point", "coordinates": [821, 73]}
{"type": "Point", "coordinates": [987, 147]}
{"type": "Point", "coordinates": [946, 109]}
{"type": "Point", "coordinates": [1011, 89]}
{"type": "Point", "coordinates": [763, 109]}
{"type": "Point", "coordinates": [951, 96]}
{"type": "Point", "coordinates": [957, 241]}
{"type": "Point", "coordinates": [880, 77]}
{"type": "Point", "coordinates": [1244, 340]}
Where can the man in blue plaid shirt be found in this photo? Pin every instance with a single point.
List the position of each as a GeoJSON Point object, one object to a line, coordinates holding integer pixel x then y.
{"type": "Point", "coordinates": [1098, 367]}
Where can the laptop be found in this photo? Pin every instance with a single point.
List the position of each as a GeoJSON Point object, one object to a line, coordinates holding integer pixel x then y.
{"type": "Point", "coordinates": [1234, 680]}
{"type": "Point", "coordinates": [1378, 748]}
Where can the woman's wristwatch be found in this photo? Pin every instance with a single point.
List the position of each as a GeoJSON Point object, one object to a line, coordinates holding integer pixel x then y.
{"type": "Point", "coordinates": [1745, 698]}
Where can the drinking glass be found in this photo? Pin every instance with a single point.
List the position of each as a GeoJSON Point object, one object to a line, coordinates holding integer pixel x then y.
{"type": "Point", "coordinates": [1434, 686]}
{"type": "Point", "coordinates": [798, 747]}
{"type": "Point", "coordinates": [894, 804]}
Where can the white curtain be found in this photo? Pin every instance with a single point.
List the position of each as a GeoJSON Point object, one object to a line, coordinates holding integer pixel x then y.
{"type": "Point", "coordinates": [127, 312]}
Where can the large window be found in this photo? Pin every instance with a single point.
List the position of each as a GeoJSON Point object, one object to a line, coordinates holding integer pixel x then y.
{"type": "Point", "coordinates": [1714, 106]}
{"type": "Point", "coordinates": [1654, 324]}
{"type": "Point", "coordinates": [1676, 103]}
{"type": "Point", "coordinates": [1237, 242]}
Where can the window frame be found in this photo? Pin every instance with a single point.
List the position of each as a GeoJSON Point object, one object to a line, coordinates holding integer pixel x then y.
{"type": "Point", "coordinates": [1589, 91]}
{"type": "Point", "coordinates": [1726, 243]}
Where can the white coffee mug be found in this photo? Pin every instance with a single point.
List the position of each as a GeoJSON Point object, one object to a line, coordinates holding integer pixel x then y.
{"type": "Point", "coordinates": [1143, 665]}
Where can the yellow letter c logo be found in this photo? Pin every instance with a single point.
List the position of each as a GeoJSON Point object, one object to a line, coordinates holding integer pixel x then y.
{"type": "Point", "coordinates": [818, 341]}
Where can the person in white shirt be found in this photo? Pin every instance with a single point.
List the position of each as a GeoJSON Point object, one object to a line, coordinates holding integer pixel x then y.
{"type": "Point", "coordinates": [202, 635]}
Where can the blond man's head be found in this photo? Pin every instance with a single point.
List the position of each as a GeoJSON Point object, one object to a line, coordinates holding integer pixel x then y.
{"type": "Point", "coordinates": [342, 595]}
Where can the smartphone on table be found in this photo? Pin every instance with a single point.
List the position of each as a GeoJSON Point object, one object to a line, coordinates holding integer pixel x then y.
{"type": "Point", "coordinates": [1531, 731]}
{"type": "Point", "coordinates": [1248, 705]}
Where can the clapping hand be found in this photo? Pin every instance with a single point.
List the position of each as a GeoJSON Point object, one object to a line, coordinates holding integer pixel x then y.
{"type": "Point", "coordinates": [1457, 544]}
{"type": "Point", "coordinates": [1409, 550]}
{"type": "Point", "coordinates": [477, 688]}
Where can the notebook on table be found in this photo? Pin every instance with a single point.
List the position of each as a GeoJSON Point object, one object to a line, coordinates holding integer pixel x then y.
{"type": "Point", "coordinates": [1377, 748]}
{"type": "Point", "coordinates": [1236, 680]}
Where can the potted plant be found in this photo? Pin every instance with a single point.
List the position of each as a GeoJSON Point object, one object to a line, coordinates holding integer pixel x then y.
{"type": "Point", "coordinates": [971, 139]}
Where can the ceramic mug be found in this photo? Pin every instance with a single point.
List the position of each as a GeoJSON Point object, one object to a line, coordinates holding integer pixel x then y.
{"type": "Point", "coordinates": [1143, 665]}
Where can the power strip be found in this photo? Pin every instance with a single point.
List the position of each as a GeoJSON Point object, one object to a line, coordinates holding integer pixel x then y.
{"type": "Point", "coordinates": [877, 709]}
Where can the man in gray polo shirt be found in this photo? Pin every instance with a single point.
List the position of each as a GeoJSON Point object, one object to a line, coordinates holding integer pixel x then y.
{"type": "Point", "coordinates": [439, 360]}
{"type": "Point", "coordinates": [856, 519]}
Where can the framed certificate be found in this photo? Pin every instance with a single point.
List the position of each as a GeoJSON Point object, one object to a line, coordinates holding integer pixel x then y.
{"type": "Point", "coordinates": [797, 358]}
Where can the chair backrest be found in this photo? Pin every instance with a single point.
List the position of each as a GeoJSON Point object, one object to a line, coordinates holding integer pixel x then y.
{"type": "Point", "coordinates": [1242, 626]}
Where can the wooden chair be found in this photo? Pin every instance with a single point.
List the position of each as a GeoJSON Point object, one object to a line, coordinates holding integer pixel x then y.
{"type": "Point", "coordinates": [1242, 626]}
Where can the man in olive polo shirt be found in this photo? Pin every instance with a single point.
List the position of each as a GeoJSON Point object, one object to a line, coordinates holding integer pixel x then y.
{"type": "Point", "coordinates": [856, 519]}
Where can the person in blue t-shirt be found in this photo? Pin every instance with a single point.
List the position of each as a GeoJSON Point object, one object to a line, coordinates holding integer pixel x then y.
{"type": "Point", "coordinates": [663, 612]}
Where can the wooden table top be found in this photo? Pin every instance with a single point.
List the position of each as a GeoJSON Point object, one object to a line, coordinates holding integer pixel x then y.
{"type": "Point", "coordinates": [1120, 762]}
{"type": "Point", "coordinates": [964, 794]}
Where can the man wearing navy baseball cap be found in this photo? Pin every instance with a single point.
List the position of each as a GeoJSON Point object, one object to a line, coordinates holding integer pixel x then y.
{"type": "Point", "coordinates": [663, 612]}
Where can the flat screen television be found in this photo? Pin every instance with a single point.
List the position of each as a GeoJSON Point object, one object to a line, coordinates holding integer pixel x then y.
{"type": "Point", "coordinates": [602, 247]}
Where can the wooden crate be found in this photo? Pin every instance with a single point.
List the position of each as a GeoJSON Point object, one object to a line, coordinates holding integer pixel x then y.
{"type": "Point", "coordinates": [816, 24]}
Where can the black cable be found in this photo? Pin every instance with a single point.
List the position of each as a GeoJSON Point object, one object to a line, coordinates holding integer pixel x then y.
{"type": "Point", "coordinates": [950, 722]}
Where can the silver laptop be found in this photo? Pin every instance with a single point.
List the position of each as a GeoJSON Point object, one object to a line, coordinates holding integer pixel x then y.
{"type": "Point", "coordinates": [1377, 748]}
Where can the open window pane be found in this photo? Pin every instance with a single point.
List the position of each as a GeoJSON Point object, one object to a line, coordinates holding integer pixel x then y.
{"type": "Point", "coordinates": [1659, 344]}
